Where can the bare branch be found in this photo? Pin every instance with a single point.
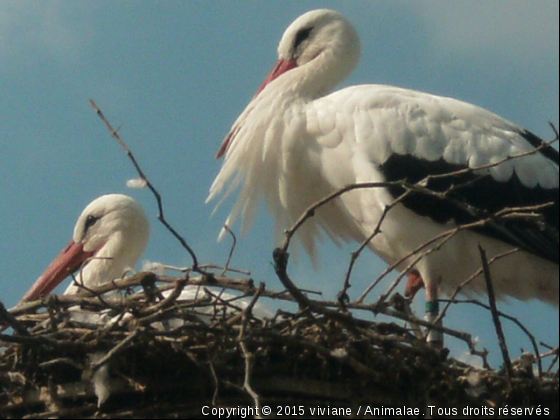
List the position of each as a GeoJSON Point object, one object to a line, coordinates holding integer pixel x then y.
{"type": "Point", "coordinates": [8, 320]}
{"type": "Point", "coordinates": [494, 311]}
{"type": "Point", "coordinates": [355, 255]}
{"type": "Point", "coordinates": [161, 215]}
{"type": "Point", "coordinates": [232, 250]}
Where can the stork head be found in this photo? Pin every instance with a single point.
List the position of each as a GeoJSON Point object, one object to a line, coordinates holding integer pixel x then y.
{"type": "Point", "coordinates": [323, 43]}
{"type": "Point", "coordinates": [318, 50]}
{"type": "Point", "coordinates": [109, 236]}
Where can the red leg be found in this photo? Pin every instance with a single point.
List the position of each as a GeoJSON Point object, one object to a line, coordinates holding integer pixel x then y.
{"type": "Point", "coordinates": [414, 284]}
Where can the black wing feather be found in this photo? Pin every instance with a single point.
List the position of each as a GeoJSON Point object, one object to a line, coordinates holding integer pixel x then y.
{"type": "Point", "coordinates": [486, 196]}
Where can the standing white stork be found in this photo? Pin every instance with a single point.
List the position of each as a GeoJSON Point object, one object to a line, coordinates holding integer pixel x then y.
{"type": "Point", "coordinates": [296, 142]}
{"type": "Point", "coordinates": [109, 237]}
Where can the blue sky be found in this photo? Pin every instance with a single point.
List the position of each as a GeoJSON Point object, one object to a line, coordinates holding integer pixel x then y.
{"type": "Point", "coordinates": [175, 74]}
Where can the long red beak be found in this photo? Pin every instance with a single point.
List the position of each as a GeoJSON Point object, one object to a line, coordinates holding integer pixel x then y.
{"type": "Point", "coordinates": [67, 262]}
{"type": "Point", "coordinates": [281, 67]}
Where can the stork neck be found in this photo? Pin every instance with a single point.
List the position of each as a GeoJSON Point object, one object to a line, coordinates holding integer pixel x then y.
{"type": "Point", "coordinates": [312, 80]}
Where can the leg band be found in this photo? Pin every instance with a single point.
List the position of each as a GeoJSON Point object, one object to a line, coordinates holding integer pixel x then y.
{"type": "Point", "coordinates": [432, 311]}
{"type": "Point", "coordinates": [432, 306]}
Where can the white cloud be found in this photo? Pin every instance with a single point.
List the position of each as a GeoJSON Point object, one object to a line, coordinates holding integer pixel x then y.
{"type": "Point", "coordinates": [510, 28]}
{"type": "Point", "coordinates": [31, 30]}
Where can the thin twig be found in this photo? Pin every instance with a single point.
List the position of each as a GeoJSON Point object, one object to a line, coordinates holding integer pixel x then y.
{"type": "Point", "coordinates": [555, 130]}
{"type": "Point", "coordinates": [494, 311]}
{"type": "Point", "coordinates": [130, 337]}
{"type": "Point", "coordinates": [231, 251]}
{"type": "Point", "coordinates": [517, 322]}
{"type": "Point", "coordinates": [247, 355]}
{"type": "Point", "coordinates": [320, 307]}
{"type": "Point", "coordinates": [419, 187]}
{"type": "Point", "coordinates": [8, 320]}
{"type": "Point", "coordinates": [161, 215]}
{"type": "Point", "coordinates": [355, 255]}
{"type": "Point", "coordinates": [473, 276]}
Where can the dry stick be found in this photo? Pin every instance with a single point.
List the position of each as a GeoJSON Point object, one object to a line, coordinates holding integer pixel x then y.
{"type": "Point", "coordinates": [552, 352]}
{"type": "Point", "coordinates": [544, 145]}
{"type": "Point", "coordinates": [227, 302]}
{"type": "Point", "coordinates": [247, 355]}
{"type": "Point", "coordinates": [231, 251]}
{"type": "Point", "coordinates": [494, 311]}
{"type": "Point", "coordinates": [246, 312]}
{"type": "Point", "coordinates": [281, 260]}
{"type": "Point", "coordinates": [522, 327]}
{"type": "Point", "coordinates": [161, 216]}
{"type": "Point", "coordinates": [444, 237]}
{"type": "Point", "coordinates": [70, 300]}
{"type": "Point", "coordinates": [310, 211]}
{"type": "Point", "coordinates": [419, 187]}
{"type": "Point", "coordinates": [115, 349]}
{"type": "Point", "coordinates": [27, 339]}
{"type": "Point", "coordinates": [168, 301]}
{"type": "Point", "coordinates": [355, 254]}
{"type": "Point", "coordinates": [470, 280]}
{"type": "Point", "coordinates": [8, 320]}
{"type": "Point", "coordinates": [555, 132]}
{"type": "Point", "coordinates": [80, 284]}
{"type": "Point", "coordinates": [281, 255]}
{"type": "Point", "coordinates": [216, 383]}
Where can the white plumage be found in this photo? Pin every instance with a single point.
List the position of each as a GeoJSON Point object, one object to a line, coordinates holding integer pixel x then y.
{"type": "Point", "coordinates": [296, 142]}
{"type": "Point", "coordinates": [109, 237]}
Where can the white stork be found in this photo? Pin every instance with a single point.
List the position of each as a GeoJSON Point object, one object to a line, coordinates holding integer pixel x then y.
{"type": "Point", "coordinates": [296, 142]}
{"type": "Point", "coordinates": [109, 237]}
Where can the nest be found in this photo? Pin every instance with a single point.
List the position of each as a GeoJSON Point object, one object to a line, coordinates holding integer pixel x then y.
{"type": "Point", "coordinates": [153, 354]}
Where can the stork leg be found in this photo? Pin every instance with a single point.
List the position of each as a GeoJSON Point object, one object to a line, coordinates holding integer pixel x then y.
{"type": "Point", "coordinates": [435, 337]}
{"type": "Point", "coordinates": [414, 284]}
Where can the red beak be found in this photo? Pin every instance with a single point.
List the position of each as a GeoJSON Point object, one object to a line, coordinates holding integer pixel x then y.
{"type": "Point", "coordinates": [281, 67]}
{"type": "Point", "coordinates": [67, 262]}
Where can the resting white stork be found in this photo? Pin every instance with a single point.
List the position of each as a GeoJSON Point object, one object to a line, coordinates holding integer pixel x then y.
{"type": "Point", "coordinates": [296, 142]}
{"type": "Point", "coordinates": [109, 238]}
{"type": "Point", "coordinates": [112, 232]}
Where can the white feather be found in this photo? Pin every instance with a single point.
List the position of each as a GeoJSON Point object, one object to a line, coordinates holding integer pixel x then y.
{"type": "Point", "coordinates": [294, 144]}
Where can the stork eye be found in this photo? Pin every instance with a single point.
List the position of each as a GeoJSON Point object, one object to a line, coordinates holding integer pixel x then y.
{"type": "Point", "coordinates": [301, 36]}
{"type": "Point", "coordinates": [90, 221]}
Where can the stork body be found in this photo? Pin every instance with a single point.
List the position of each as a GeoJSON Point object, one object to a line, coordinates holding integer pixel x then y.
{"type": "Point", "coordinates": [296, 143]}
